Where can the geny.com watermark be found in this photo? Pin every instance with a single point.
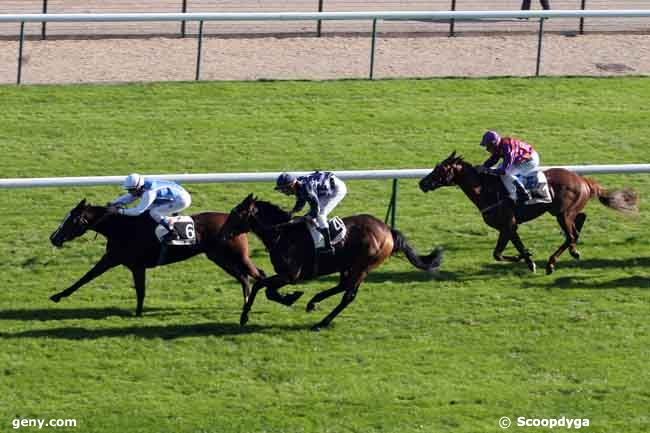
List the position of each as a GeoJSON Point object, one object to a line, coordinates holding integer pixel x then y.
{"type": "Point", "coordinates": [40, 423]}
{"type": "Point", "coordinates": [564, 422]}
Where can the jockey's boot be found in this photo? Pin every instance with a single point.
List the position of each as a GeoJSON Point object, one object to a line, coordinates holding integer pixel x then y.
{"type": "Point", "coordinates": [172, 234]}
{"type": "Point", "coordinates": [328, 248]}
{"type": "Point", "coordinates": [522, 193]}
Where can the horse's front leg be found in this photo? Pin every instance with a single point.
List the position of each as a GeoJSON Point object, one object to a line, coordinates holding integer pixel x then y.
{"type": "Point", "coordinates": [103, 265]}
{"type": "Point", "coordinates": [523, 252]}
{"type": "Point", "coordinates": [504, 238]}
{"type": "Point", "coordinates": [139, 278]}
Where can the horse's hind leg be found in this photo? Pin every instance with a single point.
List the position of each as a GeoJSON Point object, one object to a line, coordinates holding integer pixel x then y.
{"type": "Point", "coordinates": [567, 222]}
{"type": "Point", "coordinates": [579, 222]}
{"type": "Point", "coordinates": [238, 267]}
{"type": "Point", "coordinates": [103, 265]}
{"type": "Point", "coordinates": [350, 284]}
{"type": "Point", "coordinates": [311, 305]}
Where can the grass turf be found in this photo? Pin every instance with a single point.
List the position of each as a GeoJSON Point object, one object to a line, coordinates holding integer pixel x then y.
{"type": "Point", "coordinates": [454, 352]}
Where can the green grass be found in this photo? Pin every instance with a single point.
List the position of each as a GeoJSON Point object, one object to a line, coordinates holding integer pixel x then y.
{"type": "Point", "coordinates": [413, 353]}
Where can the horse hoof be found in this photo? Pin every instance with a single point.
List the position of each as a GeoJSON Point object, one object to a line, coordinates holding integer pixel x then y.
{"type": "Point", "coordinates": [575, 254]}
{"type": "Point", "coordinates": [55, 298]}
{"type": "Point", "coordinates": [311, 307]}
{"type": "Point", "coordinates": [293, 297]}
{"type": "Point", "coordinates": [549, 269]}
{"type": "Point", "coordinates": [533, 267]}
{"type": "Point", "coordinates": [243, 320]}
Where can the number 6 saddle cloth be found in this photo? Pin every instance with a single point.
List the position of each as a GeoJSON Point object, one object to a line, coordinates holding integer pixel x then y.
{"type": "Point", "coordinates": [184, 226]}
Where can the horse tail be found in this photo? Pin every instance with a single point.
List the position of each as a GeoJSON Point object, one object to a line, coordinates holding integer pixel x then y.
{"type": "Point", "coordinates": [429, 263]}
{"type": "Point", "coordinates": [625, 200]}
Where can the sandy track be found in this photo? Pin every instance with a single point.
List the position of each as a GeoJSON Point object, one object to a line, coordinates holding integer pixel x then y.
{"type": "Point", "coordinates": [162, 59]}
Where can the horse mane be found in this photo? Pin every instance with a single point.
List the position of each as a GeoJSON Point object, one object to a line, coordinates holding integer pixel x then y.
{"type": "Point", "coordinates": [271, 213]}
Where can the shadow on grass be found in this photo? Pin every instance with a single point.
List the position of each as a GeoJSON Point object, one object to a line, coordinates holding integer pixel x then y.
{"type": "Point", "coordinates": [506, 268]}
{"type": "Point", "coordinates": [627, 282]}
{"type": "Point", "coordinates": [166, 332]}
{"type": "Point", "coordinates": [54, 313]}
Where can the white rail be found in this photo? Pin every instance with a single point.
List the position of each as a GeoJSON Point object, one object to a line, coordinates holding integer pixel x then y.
{"type": "Point", "coordinates": [272, 176]}
{"type": "Point", "coordinates": [306, 16]}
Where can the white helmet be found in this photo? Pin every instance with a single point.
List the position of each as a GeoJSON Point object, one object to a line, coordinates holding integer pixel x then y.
{"type": "Point", "coordinates": [133, 181]}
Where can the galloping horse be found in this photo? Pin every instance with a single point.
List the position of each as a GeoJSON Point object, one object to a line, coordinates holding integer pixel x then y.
{"type": "Point", "coordinates": [368, 244]}
{"type": "Point", "coordinates": [132, 243]}
{"type": "Point", "coordinates": [570, 195]}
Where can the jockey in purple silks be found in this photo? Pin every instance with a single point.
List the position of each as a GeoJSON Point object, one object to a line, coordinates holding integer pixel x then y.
{"type": "Point", "coordinates": [322, 190]}
{"type": "Point", "coordinates": [519, 158]}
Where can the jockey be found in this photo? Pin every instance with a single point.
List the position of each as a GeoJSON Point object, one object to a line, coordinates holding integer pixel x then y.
{"type": "Point", "coordinates": [518, 156]}
{"type": "Point", "coordinates": [161, 198]}
{"type": "Point", "coordinates": [322, 190]}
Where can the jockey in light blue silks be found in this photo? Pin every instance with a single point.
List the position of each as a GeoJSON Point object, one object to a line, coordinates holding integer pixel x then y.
{"type": "Point", "coordinates": [322, 190]}
{"type": "Point", "coordinates": [161, 198]}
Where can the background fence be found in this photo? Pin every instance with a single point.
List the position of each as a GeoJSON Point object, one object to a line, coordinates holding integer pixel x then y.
{"type": "Point", "coordinates": [395, 175]}
{"type": "Point", "coordinates": [373, 17]}
{"type": "Point", "coordinates": [307, 27]}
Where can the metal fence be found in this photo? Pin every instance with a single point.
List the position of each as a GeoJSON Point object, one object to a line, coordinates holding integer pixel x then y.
{"type": "Point", "coordinates": [183, 28]}
{"type": "Point", "coordinates": [386, 16]}
{"type": "Point", "coordinates": [395, 175]}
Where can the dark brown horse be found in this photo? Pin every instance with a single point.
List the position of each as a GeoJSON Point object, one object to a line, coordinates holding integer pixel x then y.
{"type": "Point", "coordinates": [570, 195]}
{"type": "Point", "coordinates": [132, 243]}
{"type": "Point", "coordinates": [368, 244]}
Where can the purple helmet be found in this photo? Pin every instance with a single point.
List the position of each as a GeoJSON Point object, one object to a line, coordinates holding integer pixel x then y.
{"type": "Point", "coordinates": [284, 180]}
{"type": "Point", "coordinates": [490, 137]}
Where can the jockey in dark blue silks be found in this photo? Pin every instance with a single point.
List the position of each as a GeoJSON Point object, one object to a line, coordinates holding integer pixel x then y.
{"type": "Point", "coordinates": [322, 190]}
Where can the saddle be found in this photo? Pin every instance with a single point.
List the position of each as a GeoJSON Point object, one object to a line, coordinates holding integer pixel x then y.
{"type": "Point", "coordinates": [184, 226]}
{"type": "Point", "coordinates": [337, 229]}
{"type": "Point", "coordinates": [537, 186]}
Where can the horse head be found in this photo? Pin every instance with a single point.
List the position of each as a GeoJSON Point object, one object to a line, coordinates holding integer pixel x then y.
{"type": "Point", "coordinates": [250, 213]}
{"type": "Point", "coordinates": [443, 175]}
{"type": "Point", "coordinates": [239, 219]}
{"type": "Point", "coordinates": [75, 224]}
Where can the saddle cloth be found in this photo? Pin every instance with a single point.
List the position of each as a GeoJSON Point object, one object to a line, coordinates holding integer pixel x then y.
{"type": "Point", "coordinates": [184, 226]}
{"type": "Point", "coordinates": [537, 186]}
{"type": "Point", "coordinates": [337, 232]}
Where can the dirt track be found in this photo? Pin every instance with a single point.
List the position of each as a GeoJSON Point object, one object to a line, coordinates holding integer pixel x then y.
{"type": "Point", "coordinates": [161, 59]}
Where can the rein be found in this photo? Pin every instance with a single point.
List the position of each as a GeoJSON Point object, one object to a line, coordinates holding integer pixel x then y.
{"type": "Point", "coordinates": [492, 206]}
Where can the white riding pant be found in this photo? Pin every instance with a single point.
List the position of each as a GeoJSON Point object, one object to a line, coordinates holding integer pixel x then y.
{"type": "Point", "coordinates": [523, 168]}
{"type": "Point", "coordinates": [161, 211]}
{"type": "Point", "coordinates": [328, 203]}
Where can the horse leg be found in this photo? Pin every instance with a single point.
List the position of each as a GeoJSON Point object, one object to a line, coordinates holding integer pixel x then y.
{"type": "Point", "coordinates": [504, 238]}
{"type": "Point", "coordinates": [103, 265]}
{"type": "Point", "coordinates": [249, 302]}
{"type": "Point", "coordinates": [579, 222]}
{"type": "Point", "coordinates": [523, 252]}
{"type": "Point", "coordinates": [139, 282]}
{"type": "Point", "coordinates": [240, 268]}
{"type": "Point", "coordinates": [351, 286]}
{"type": "Point", "coordinates": [568, 227]}
{"type": "Point", "coordinates": [272, 285]}
{"type": "Point", "coordinates": [311, 305]}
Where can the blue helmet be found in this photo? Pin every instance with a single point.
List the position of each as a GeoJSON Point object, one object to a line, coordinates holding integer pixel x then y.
{"type": "Point", "coordinates": [284, 180]}
{"type": "Point", "coordinates": [490, 137]}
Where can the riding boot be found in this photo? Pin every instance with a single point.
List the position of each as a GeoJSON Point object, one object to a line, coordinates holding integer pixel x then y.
{"type": "Point", "coordinates": [522, 193]}
{"type": "Point", "coordinates": [328, 248]}
{"type": "Point", "coordinates": [172, 234]}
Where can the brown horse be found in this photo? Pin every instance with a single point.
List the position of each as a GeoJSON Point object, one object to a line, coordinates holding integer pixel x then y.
{"type": "Point", "coordinates": [570, 195]}
{"type": "Point", "coordinates": [369, 242]}
{"type": "Point", "coordinates": [132, 243]}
